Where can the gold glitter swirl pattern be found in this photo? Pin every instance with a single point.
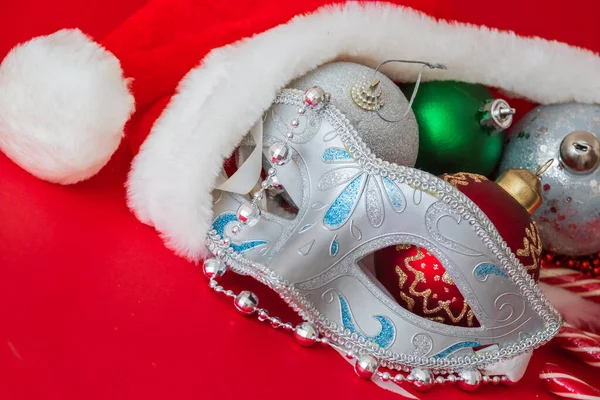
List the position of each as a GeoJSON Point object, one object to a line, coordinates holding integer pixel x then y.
{"type": "Point", "coordinates": [532, 246]}
{"type": "Point", "coordinates": [462, 178]}
{"type": "Point", "coordinates": [442, 305]}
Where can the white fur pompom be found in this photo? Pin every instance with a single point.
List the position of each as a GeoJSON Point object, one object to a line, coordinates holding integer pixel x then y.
{"type": "Point", "coordinates": [63, 105]}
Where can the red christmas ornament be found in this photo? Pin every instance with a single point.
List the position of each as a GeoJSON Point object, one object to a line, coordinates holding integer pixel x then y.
{"type": "Point", "coordinates": [418, 280]}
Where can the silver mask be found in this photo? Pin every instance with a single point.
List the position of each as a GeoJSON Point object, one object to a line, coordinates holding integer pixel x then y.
{"type": "Point", "coordinates": [349, 205]}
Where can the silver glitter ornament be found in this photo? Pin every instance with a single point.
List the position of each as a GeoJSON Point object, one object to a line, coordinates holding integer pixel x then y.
{"type": "Point", "coordinates": [569, 218]}
{"type": "Point", "coordinates": [246, 302]}
{"type": "Point", "coordinates": [421, 378]}
{"type": "Point", "coordinates": [214, 269]}
{"type": "Point", "coordinates": [366, 366]}
{"type": "Point", "coordinates": [306, 334]}
{"type": "Point", "coordinates": [396, 142]}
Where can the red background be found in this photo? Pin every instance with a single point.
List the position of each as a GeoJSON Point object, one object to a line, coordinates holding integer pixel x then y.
{"type": "Point", "coordinates": [92, 306]}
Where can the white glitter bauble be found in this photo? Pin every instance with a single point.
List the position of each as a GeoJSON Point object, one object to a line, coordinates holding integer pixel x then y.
{"type": "Point", "coordinates": [569, 218]}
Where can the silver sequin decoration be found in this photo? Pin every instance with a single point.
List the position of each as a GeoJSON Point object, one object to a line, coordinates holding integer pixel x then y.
{"type": "Point", "coordinates": [374, 203]}
{"type": "Point", "coordinates": [337, 177]}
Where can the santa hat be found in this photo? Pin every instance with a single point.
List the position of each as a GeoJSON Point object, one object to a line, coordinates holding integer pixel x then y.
{"type": "Point", "coordinates": [202, 73]}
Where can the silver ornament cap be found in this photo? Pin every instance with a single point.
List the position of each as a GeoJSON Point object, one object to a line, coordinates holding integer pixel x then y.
{"type": "Point", "coordinates": [306, 334]}
{"type": "Point", "coordinates": [497, 115]}
{"type": "Point", "coordinates": [470, 379]}
{"type": "Point", "coordinates": [580, 151]}
{"type": "Point", "coordinates": [246, 302]}
{"type": "Point", "coordinates": [366, 366]}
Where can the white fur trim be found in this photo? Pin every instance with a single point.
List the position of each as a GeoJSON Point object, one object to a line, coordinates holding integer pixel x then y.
{"type": "Point", "coordinates": [173, 175]}
{"type": "Point", "coordinates": [63, 106]}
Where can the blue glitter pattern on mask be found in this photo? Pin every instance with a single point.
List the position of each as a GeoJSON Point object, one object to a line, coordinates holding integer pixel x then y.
{"type": "Point", "coordinates": [333, 249]}
{"type": "Point", "coordinates": [455, 347]}
{"type": "Point", "coordinates": [393, 192]}
{"type": "Point", "coordinates": [485, 269]}
{"type": "Point", "coordinates": [335, 154]}
{"type": "Point", "coordinates": [221, 222]}
{"type": "Point", "coordinates": [305, 228]}
{"type": "Point", "coordinates": [384, 338]}
{"type": "Point", "coordinates": [343, 206]}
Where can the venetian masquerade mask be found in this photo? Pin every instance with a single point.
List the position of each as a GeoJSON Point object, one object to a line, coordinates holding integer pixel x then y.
{"type": "Point", "coordinates": [325, 202]}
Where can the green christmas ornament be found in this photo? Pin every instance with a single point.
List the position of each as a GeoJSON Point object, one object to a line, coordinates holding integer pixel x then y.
{"type": "Point", "coordinates": [459, 127]}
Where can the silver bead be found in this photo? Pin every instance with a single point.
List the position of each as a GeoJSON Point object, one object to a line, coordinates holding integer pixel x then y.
{"type": "Point", "coordinates": [214, 269]}
{"type": "Point", "coordinates": [226, 241]}
{"type": "Point", "coordinates": [496, 380]}
{"type": "Point", "coordinates": [272, 171]}
{"type": "Point", "coordinates": [246, 302]}
{"type": "Point", "coordinates": [275, 322]}
{"type": "Point", "coordinates": [350, 355]}
{"type": "Point", "coordinates": [486, 379]}
{"type": "Point", "coordinates": [258, 196]}
{"type": "Point", "coordinates": [470, 379]}
{"type": "Point", "coordinates": [439, 380]}
{"type": "Point", "coordinates": [278, 153]}
{"type": "Point", "coordinates": [422, 378]}
{"type": "Point", "coordinates": [306, 334]}
{"type": "Point", "coordinates": [275, 187]}
{"type": "Point", "coordinates": [316, 98]}
{"type": "Point", "coordinates": [366, 366]}
{"type": "Point", "coordinates": [301, 110]}
{"type": "Point", "coordinates": [385, 376]}
{"type": "Point", "coordinates": [398, 378]}
{"type": "Point", "coordinates": [290, 135]}
{"type": "Point", "coordinates": [451, 378]}
{"type": "Point", "coordinates": [236, 229]}
{"type": "Point", "coordinates": [248, 214]}
{"type": "Point", "coordinates": [295, 122]}
{"type": "Point", "coordinates": [580, 151]}
{"type": "Point", "coordinates": [263, 315]}
{"type": "Point", "coordinates": [264, 184]}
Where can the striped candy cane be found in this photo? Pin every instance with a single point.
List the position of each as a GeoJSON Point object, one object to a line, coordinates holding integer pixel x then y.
{"type": "Point", "coordinates": [573, 281]}
{"type": "Point", "coordinates": [582, 344]}
{"type": "Point", "coordinates": [560, 382]}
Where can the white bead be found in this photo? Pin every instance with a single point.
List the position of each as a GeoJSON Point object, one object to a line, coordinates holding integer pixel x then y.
{"type": "Point", "coordinates": [385, 376]}
{"type": "Point", "coordinates": [295, 122]}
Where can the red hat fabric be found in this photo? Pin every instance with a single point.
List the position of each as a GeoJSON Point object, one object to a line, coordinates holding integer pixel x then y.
{"type": "Point", "coordinates": [202, 73]}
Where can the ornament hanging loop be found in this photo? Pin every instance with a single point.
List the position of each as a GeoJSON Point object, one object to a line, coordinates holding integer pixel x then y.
{"type": "Point", "coordinates": [424, 64]}
{"type": "Point", "coordinates": [544, 167]}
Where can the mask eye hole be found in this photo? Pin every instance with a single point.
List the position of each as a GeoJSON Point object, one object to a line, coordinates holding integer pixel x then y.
{"type": "Point", "coordinates": [419, 283]}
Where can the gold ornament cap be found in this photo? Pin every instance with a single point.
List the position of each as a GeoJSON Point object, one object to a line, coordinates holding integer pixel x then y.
{"type": "Point", "coordinates": [524, 186]}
